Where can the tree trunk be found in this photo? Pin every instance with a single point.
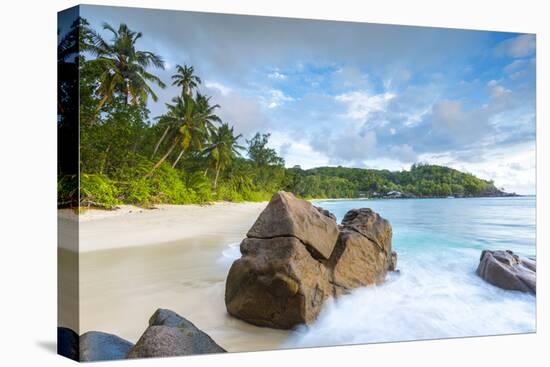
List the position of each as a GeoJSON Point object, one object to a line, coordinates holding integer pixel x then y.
{"type": "Point", "coordinates": [157, 146]}
{"type": "Point", "coordinates": [164, 157]}
{"type": "Point", "coordinates": [99, 107]}
{"type": "Point", "coordinates": [104, 163]}
{"type": "Point", "coordinates": [178, 159]}
{"type": "Point", "coordinates": [205, 171]}
{"type": "Point", "coordinates": [217, 174]}
{"type": "Point", "coordinates": [126, 94]}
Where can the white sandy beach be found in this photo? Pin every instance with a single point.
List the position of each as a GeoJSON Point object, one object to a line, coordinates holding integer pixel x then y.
{"type": "Point", "coordinates": [131, 226]}
{"type": "Point", "coordinates": [133, 261]}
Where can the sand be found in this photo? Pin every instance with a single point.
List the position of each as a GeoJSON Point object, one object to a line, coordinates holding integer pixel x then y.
{"type": "Point", "coordinates": [131, 226]}
{"type": "Point", "coordinates": [133, 261]}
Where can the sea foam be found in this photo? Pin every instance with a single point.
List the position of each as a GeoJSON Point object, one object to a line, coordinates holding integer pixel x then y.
{"type": "Point", "coordinates": [436, 293]}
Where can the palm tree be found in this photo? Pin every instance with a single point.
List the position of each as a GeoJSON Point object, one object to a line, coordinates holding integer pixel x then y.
{"type": "Point", "coordinates": [205, 119]}
{"type": "Point", "coordinates": [124, 69]}
{"type": "Point", "coordinates": [170, 124]}
{"type": "Point", "coordinates": [204, 114]}
{"type": "Point", "coordinates": [185, 79]}
{"type": "Point", "coordinates": [192, 124]}
{"type": "Point", "coordinates": [223, 149]}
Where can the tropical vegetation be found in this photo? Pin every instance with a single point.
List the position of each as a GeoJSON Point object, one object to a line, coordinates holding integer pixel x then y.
{"type": "Point", "coordinates": [187, 154]}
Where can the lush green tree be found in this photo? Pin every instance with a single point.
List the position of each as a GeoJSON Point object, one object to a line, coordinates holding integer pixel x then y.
{"type": "Point", "coordinates": [186, 79]}
{"type": "Point", "coordinates": [261, 154]}
{"type": "Point", "coordinates": [123, 67]}
{"type": "Point", "coordinates": [188, 155]}
{"type": "Point", "coordinates": [206, 118]}
{"type": "Point", "coordinates": [193, 123]}
{"type": "Point", "coordinates": [223, 149]}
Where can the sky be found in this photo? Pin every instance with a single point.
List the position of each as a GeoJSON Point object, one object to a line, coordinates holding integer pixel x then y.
{"type": "Point", "coordinates": [356, 94]}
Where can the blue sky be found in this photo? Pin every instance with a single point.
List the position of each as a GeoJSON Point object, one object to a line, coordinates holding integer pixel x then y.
{"type": "Point", "coordinates": [357, 94]}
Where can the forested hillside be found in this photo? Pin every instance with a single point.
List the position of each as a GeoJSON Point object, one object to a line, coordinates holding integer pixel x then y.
{"type": "Point", "coordinates": [422, 180]}
{"type": "Point", "coordinates": [188, 154]}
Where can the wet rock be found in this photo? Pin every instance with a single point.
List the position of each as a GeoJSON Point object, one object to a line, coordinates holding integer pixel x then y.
{"type": "Point", "coordinates": [371, 225]}
{"type": "Point", "coordinates": [507, 270]}
{"type": "Point", "coordinates": [276, 283]}
{"type": "Point", "coordinates": [295, 257]}
{"type": "Point", "coordinates": [325, 212]}
{"type": "Point", "coordinates": [359, 263]}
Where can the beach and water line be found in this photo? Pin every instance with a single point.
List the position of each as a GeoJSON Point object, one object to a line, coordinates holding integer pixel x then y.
{"type": "Point", "coordinates": [133, 261]}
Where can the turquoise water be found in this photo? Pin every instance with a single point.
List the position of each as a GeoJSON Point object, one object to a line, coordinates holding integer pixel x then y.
{"type": "Point", "coordinates": [436, 294]}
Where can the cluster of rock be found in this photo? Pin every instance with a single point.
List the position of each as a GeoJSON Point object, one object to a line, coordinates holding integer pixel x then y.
{"type": "Point", "coordinates": [507, 270]}
{"type": "Point", "coordinates": [168, 334]}
{"type": "Point", "coordinates": [296, 256]}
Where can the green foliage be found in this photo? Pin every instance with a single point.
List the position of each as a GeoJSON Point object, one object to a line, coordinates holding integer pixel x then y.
{"type": "Point", "coordinates": [260, 154]}
{"type": "Point", "coordinates": [67, 190]}
{"type": "Point", "coordinates": [421, 180]}
{"type": "Point", "coordinates": [189, 155]}
{"type": "Point", "coordinates": [98, 191]}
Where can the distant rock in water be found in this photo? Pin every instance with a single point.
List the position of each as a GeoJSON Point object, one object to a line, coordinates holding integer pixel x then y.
{"type": "Point", "coordinates": [492, 191]}
{"type": "Point", "coordinates": [99, 346]}
{"type": "Point", "coordinates": [296, 256]}
{"type": "Point", "coordinates": [507, 270]}
{"type": "Point", "coordinates": [169, 334]}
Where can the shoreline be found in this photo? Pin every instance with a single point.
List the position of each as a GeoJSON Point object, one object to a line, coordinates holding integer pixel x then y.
{"type": "Point", "coordinates": [131, 226]}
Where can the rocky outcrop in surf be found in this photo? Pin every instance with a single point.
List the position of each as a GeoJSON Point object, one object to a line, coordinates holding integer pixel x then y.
{"type": "Point", "coordinates": [507, 270]}
{"type": "Point", "coordinates": [296, 256]}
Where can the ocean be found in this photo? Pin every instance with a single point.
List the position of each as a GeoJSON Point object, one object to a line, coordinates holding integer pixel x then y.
{"type": "Point", "coordinates": [436, 293]}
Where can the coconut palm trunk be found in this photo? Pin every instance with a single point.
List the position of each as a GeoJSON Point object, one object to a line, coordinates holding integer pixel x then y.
{"type": "Point", "coordinates": [218, 168]}
{"type": "Point", "coordinates": [160, 141]}
{"type": "Point", "coordinates": [164, 157]}
{"type": "Point", "coordinates": [102, 102]}
{"type": "Point", "coordinates": [178, 158]}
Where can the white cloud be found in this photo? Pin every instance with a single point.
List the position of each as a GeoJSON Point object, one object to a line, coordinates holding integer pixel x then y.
{"type": "Point", "coordinates": [361, 104]}
{"type": "Point", "coordinates": [515, 65]}
{"type": "Point", "coordinates": [510, 168]}
{"type": "Point", "coordinates": [348, 77]}
{"type": "Point", "coordinates": [241, 111]}
{"type": "Point", "coordinates": [520, 46]}
{"type": "Point", "coordinates": [296, 151]}
{"type": "Point", "coordinates": [497, 90]}
{"type": "Point", "coordinates": [456, 126]}
{"type": "Point", "coordinates": [276, 75]}
{"type": "Point", "coordinates": [414, 117]}
{"type": "Point", "coordinates": [277, 98]}
{"type": "Point", "coordinates": [223, 89]}
{"type": "Point", "coordinates": [403, 153]}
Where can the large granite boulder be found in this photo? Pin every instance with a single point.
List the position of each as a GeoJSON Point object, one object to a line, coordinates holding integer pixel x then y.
{"type": "Point", "coordinates": [99, 346]}
{"type": "Point", "coordinates": [358, 261]}
{"type": "Point", "coordinates": [169, 334]}
{"type": "Point", "coordinates": [286, 216]}
{"type": "Point", "coordinates": [295, 257]}
{"type": "Point", "coordinates": [276, 283]}
{"type": "Point", "coordinates": [507, 270]}
{"type": "Point", "coordinates": [370, 225]}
